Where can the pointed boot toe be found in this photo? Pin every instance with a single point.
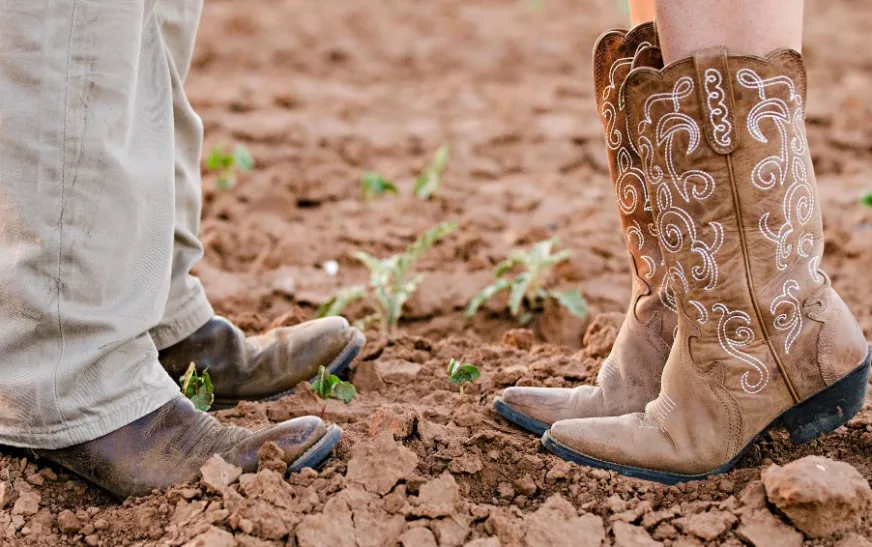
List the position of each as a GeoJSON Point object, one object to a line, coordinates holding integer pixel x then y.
{"type": "Point", "coordinates": [170, 445]}
{"type": "Point", "coordinates": [536, 408]}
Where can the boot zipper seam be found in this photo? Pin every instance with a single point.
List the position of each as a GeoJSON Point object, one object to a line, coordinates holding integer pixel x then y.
{"type": "Point", "coordinates": [750, 280]}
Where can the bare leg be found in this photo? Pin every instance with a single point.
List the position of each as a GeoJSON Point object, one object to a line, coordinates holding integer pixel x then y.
{"type": "Point", "coordinates": [744, 26]}
{"type": "Point", "coordinates": [641, 11]}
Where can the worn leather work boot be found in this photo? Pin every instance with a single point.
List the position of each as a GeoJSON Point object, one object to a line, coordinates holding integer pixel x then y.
{"type": "Point", "coordinates": [263, 367]}
{"type": "Point", "coordinates": [629, 377]}
{"type": "Point", "coordinates": [763, 339]}
{"type": "Point", "coordinates": [172, 443]}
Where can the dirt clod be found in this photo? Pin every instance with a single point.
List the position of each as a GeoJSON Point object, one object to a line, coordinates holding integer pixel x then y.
{"type": "Point", "coordinates": [821, 496]}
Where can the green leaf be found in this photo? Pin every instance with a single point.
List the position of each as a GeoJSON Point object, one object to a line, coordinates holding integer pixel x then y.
{"type": "Point", "coordinates": [440, 160]}
{"type": "Point", "coordinates": [215, 160]}
{"type": "Point", "coordinates": [461, 373]}
{"type": "Point", "coordinates": [428, 182]}
{"type": "Point", "coordinates": [486, 294]}
{"type": "Point", "coordinates": [572, 301]}
{"type": "Point", "coordinates": [424, 242]}
{"type": "Point", "coordinates": [344, 391]}
{"type": "Point", "coordinates": [867, 199]}
{"type": "Point", "coordinates": [505, 266]}
{"type": "Point", "coordinates": [242, 159]}
{"type": "Point", "coordinates": [375, 185]}
{"type": "Point", "coordinates": [518, 291]}
{"type": "Point", "coordinates": [339, 301]}
{"type": "Point", "coordinates": [321, 386]}
{"type": "Point", "coordinates": [198, 388]}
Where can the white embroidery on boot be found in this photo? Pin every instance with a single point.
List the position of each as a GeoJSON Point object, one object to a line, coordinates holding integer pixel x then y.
{"type": "Point", "coordinates": [732, 338]}
{"type": "Point", "coordinates": [718, 112]}
{"type": "Point", "coordinates": [790, 319]}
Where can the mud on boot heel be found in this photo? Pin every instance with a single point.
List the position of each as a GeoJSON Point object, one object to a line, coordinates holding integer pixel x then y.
{"type": "Point", "coordinates": [830, 409]}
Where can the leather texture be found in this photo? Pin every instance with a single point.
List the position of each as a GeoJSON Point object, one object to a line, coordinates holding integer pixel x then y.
{"type": "Point", "coordinates": [170, 445]}
{"type": "Point", "coordinates": [723, 145]}
{"type": "Point", "coordinates": [260, 367]}
{"type": "Point", "coordinates": [629, 377]}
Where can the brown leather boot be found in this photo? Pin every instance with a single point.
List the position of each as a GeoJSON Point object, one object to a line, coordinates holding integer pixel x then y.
{"type": "Point", "coordinates": [263, 367]}
{"type": "Point", "coordinates": [629, 378]}
{"type": "Point", "coordinates": [763, 339]}
{"type": "Point", "coordinates": [172, 443]}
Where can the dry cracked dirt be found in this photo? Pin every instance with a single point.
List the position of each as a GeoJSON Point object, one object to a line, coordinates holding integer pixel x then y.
{"type": "Point", "coordinates": [321, 92]}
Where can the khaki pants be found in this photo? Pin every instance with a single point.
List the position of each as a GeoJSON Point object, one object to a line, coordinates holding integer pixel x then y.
{"type": "Point", "coordinates": [99, 212]}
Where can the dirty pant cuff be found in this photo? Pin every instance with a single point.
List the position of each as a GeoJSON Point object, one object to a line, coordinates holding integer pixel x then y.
{"type": "Point", "coordinates": [185, 320]}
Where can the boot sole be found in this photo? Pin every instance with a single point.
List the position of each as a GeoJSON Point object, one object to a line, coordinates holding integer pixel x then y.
{"type": "Point", "coordinates": [319, 451]}
{"type": "Point", "coordinates": [519, 418]}
{"type": "Point", "coordinates": [822, 413]}
{"type": "Point", "coordinates": [338, 366]}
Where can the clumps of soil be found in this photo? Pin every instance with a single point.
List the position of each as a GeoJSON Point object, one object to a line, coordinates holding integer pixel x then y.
{"type": "Point", "coordinates": [419, 465]}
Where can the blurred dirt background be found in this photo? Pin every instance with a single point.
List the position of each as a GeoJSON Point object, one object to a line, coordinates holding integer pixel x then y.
{"type": "Point", "coordinates": [321, 92]}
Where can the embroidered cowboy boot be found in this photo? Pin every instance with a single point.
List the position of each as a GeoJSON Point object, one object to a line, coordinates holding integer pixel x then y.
{"type": "Point", "coordinates": [763, 339]}
{"type": "Point", "coordinates": [264, 367]}
{"type": "Point", "coordinates": [629, 377]}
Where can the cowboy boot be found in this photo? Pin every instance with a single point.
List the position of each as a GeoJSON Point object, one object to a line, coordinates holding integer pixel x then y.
{"type": "Point", "coordinates": [264, 367]}
{"type": "Point", "coordinates": [763, 339]}
{"type": "Point", "coordinates": [172, 443]}
{"type": "Point", "coordinates": [630, 376]}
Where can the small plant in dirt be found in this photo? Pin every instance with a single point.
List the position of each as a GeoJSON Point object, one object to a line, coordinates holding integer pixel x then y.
{"type": "Point", "coordinates": [198, 388]}
{"type": "Point", "coordinates": [329, 386]}
{"type": "Point", "coordinates": [462, 373]}
{"type": "Point", "coordinates": [526, 294]}
{"type": "Point", "coordinates": [375, 186]}
{"type": "Point", "coordinates": [391, 282]}
{"type": "Point", "coordinates": [867, 199]}
{"type": "Point", "coordinates": [228, 164]}
{"type": "Point", "coordinates": [428, 182]}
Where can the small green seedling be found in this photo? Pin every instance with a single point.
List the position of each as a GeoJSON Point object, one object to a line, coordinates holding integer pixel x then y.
{"type": "Point", "coordinates": [198, 388]}
{"type": "Point", "coordinates": [391, 282]}
{"type": "Point", "coordinates": [462, 373]}
{"type": "Point", "coordinates": [526, 294]}
{"type": "Point", "coordinates": [867, 199]}
{"type": "Point", "coordinates": [329, 386]}
{"type": "Point", "coordinates": [428, 182]}
{"type": "Point", "coordinates": [227, 165]}
{"type": "Point", "coordinates": [375, 186]}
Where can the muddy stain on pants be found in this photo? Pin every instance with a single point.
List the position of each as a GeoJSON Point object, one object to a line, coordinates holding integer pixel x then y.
{"type": "Point", "coordinates": [99, 211]}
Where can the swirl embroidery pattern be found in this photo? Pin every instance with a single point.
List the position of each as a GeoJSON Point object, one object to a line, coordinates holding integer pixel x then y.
{"type": "Point", "coordinates": [629, 186]}
{"type": "Point", "coordinates": [717, 107]}
{"type": "Point", "coordinates": [787, 168]}
{"type": "Point", "coordinates": [734, 333]}
{"type": "Point", "coordinates": [790, 319]}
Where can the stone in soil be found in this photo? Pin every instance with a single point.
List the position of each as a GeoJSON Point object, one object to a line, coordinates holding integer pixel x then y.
{"type": "Point", "coordinates": [761, 528]}
{"type": "Point", "coordinates": [707, 526]}
{"type": "Point", "coordinates": [379, 464]}
{"type": "Point", "coordinates": [628, 535]}
{"type": "Point", "coordinates": [216, 474]}
{"type": "Point", "coordinates": [556, 524]}
{"type": "Point", "coordinates": [333, 526]}
{"type": "Point", "coordinates": [213, 537]}
{"type": "Point", "coordinates": [820, 496]}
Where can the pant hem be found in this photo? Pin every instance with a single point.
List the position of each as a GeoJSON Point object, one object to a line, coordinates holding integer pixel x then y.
{"type": "Point", "coordinates": [190, 316]}
{"type": "Point", "coordinates": [112, 419]}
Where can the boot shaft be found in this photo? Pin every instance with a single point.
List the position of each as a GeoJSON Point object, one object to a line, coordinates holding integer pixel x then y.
{"type": "Point", "coordinates": [723, 147]}
{"type": "Point", "coordinates": [613, 58]}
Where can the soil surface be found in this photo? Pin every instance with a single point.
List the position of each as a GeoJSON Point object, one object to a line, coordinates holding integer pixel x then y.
{"type": "Point", "coordinates": [321, 92]}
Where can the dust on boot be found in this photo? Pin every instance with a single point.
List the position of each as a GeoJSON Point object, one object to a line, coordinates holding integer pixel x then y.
{"type": "Point", "coordinates": [170, 445]}
{"type": "Point", "coordinates": [267, 366]}
{"type": "Point", "coordinates": [763, 339]}
{"type": "Point", "coordinates": [629, 377]}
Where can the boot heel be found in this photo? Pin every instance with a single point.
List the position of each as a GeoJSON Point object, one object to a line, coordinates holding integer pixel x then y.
{"type": "Point", "coordinates": [829, 409]}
